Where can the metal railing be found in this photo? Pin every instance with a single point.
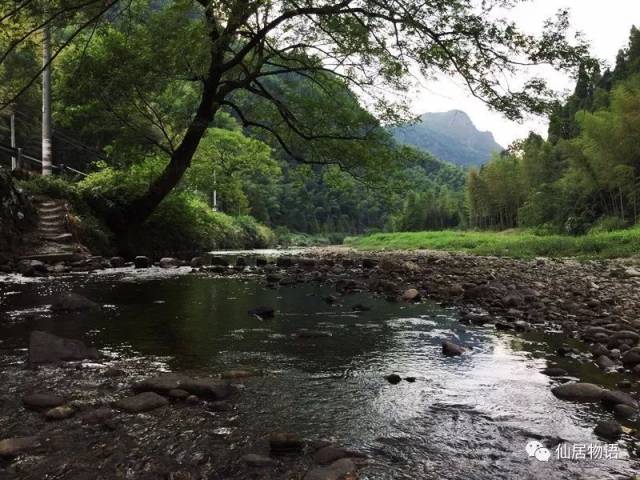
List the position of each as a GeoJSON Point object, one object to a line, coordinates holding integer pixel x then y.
{"type": "Point", "coordinates": [19, 157]}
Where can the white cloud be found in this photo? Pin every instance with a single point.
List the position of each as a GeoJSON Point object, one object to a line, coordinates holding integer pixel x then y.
{"type": "Point", "coordinates": [606, 26]}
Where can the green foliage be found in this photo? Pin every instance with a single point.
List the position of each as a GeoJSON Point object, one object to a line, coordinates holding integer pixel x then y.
{"type": "Point", "coordinates": [518, 244]}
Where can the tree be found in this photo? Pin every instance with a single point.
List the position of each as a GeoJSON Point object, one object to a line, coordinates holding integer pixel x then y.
{"type": "Point", "coordinates": [235, 47]}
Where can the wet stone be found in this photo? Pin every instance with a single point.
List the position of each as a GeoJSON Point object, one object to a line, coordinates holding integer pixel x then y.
{"type": "Point", "coordinates": [178, 394]}
{"type": "Point", "coordinates": [578, 392]}
{"type": "Point", "coordinates": [97, 416]}
{"type": "Point", "coordinates": [624, 411]}
{"type": "Point", "coordinates": [142, 402]}
{"type": "Point", "coordinates": [608, 429]}
{"type": "Point", "coordinates": [47, 348]}
{"type": "Point", "coordinates": [393, 379]}
{"type": "Point", "coordinates": [73, 302]}
{"type": "Point", "coordinates": [42, 401]}
{"type": "Point", "coordinates": [60, 413]}
{"type": "Point", "coordinates": [12, 447]}
{"type": "Point", "coordinates": [450, 349]}
{"type": "Point", "coordinates": [555, 372]}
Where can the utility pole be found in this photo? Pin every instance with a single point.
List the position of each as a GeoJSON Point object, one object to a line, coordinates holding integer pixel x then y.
{"type": "Point", "coordinates": [14, 160]}
{"type": "Point", "coordinates": [46, 102]}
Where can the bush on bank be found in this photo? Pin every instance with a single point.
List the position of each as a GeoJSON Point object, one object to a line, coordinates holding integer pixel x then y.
{"type": "Point", "coordinates": [182, 225]}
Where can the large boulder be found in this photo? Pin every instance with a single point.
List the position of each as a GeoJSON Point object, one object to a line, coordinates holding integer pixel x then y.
{"type": "Point", "coordinates": [73, 302]}
{"type": "Point", "coordinates": [285, 442]}
{"type": "Point", "coordinates": [47, 348]}
{"type": "Point", "coordinates": [579, 392]}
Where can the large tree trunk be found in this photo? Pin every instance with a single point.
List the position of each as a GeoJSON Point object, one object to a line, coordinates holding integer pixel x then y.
{"type": "Point", "coordinates": [122, 219]}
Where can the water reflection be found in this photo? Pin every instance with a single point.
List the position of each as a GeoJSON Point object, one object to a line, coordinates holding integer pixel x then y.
{"type": "Point", "coordinates": [468, 417]}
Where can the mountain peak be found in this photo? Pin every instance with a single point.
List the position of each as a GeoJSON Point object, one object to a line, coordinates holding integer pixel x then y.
{"type": "Point", "coordinates": [450, 136]}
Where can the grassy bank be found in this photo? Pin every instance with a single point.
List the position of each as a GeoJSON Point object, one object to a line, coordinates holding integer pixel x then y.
{"type": "Point", "coordinates": [518, 244]}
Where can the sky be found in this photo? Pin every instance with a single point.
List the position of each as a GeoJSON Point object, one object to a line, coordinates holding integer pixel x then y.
{"type": "Point", "coordinates": [605, 24]}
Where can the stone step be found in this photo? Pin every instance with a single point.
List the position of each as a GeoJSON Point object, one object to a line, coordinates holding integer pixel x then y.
{"type": "Point", "coordinates": [51, 229]}
{"type": "Point", "coordinates": [49, 203]}
{"type": "Point", "coordinates": [53, 222]}
{"type": "Point", "coordinates": [62, 237]}
{"type": "Point", "coordinates": [60, 209]}
{"type": "Point", "coordinates": [53, 258]}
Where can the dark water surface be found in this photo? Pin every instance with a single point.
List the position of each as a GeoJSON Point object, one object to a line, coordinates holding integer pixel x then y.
{"type": "Point", "coordinates": [463, 418]}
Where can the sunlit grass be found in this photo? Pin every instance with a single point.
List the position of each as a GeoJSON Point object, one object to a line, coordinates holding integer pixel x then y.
{"type": "Point", "coordinates": [518, 244]}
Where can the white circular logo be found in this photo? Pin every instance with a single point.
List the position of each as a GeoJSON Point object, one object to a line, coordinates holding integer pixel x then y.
{"type": "Point", "coordinates": [536, 449]}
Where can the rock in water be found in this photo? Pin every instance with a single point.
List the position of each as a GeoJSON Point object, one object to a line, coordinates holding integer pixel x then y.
{"type": "Point", "coordinates": [393, 379]}
{"type": "Point", "coordinates": [284, 442]}
{"type": "Point", "coordinates": [337, 470]}
{"type": "Point", "coordinates": [616, 397]}
{"type": "Point", "coordinates": [609, 429]}
{"type": "Point", "coordinates": [73, 302]}
{"type": "Point", "coordinates": [169, 262]}
{"type": "Point", "coordinates": [117, 262]}
{"type": "Point", "coordinates": [142, 262]}
{"type": "Point", "coordinates": [624, 411]}
{"type": "Point", "coordinates": [47, 348]}
{"type": "Point", "coordinates": [411, 295]}
{"type": "Point", "coordinates": [579, 392]}
{"type": "Point", "coordinates": [142, 402]}
{"type": "Point", "coordinates": [450, 349]}
{"type": "Point", "coordinates": [42, 401]}
{"type": "Point", "coordinates": [12, 447]}
{"type": "Point", "coordinates": [236, 374]}
{"type": "Point", "coordinates": [631, 358]}
{"type": "Point", "coordinates": [59, 413]}
{"type": "Point", "coordinates": [555, 372]}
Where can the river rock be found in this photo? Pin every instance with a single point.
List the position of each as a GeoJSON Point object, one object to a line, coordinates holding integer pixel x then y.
{"type": "Point", "coordinates": [262, 312]}
{"type": "Point", "coordinates": [142, 402]}
{"type": "Point", "coordinates": [141, 262]}
{"type": "Point", "coordinates": [631, 358]}
{"type": "Point", "coordinates": [555, 372]}
{"type": "Point", "coordinates": [60, 413]}
{"type": "Point", "coordinates": [47, 348]}
{"type": "Point", "coordinates": [285, 442]}
{"type": "Point", "coordinates": [73, 302]}
{"type": "Point", "coordinates": [117, 262]}
{"type": "Point", "coordinates": [209, 388]}
{"type": "Point", "coordinates": [411, 295]}
{"type": "Point", "coordinates": [32, 268]}
{"type": "Point", "coordinates": [605, 363]}
{"type": "Point", "coordinates": [616, 397]}
{"type": "Point", "coordinates": [624, 411]}
{"type": "Point", "coordinates": [255, 460]}
{"type": "Point", "coordinates": [163, 383]}
{"type": "Point", "coordinates": [169, 262]}
{"type": "Point", "coordinates": [578, 392]}
{"type": "Point", "coordinates": [197, 262]}
{"type": "Point", "coordinates": [220, 406]}
{"type": "Point", "coordinates": [178, 394]}
{"type": "Point", "coordinates": [12, 447]}
{"type": "Point", "coordinates": [393, 379]}
{"type": "Point", "coordinates": [337, 470]}
{"type": "Point", "coordinates": [450, 349]}
{"type": "Point", "coordinates": [42, 401]}
{"type": "Point", "coordinates": [608, 429]}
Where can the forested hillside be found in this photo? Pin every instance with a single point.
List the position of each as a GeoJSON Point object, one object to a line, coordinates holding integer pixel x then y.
{"type": "Point", "coordinates": [450, 136]}
{"type": "Point", "coordinates": [586, 175]}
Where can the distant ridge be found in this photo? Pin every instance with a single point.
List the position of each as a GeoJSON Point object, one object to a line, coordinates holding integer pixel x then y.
{"type": "Point", "coordinates": [450, 136]}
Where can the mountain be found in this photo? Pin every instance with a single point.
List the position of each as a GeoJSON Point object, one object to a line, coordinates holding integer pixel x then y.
{"type": "Point", "coordinates": [450, 136]}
